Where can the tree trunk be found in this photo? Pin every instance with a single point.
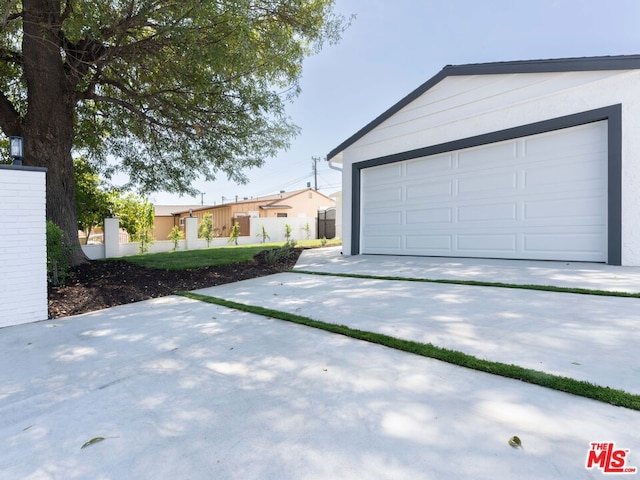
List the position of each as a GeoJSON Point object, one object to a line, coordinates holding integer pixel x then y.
{"type": "Point", "coordinates": [48, 127]}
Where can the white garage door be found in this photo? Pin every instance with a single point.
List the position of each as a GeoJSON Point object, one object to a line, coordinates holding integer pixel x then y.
{"type": "Point", "coordinates": [539, 197]}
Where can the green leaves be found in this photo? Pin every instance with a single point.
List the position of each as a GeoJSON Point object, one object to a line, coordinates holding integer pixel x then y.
{"type": "Point", "coordinates": [171, 91]}
{"type": "Point", "coordinates": [195, 88]}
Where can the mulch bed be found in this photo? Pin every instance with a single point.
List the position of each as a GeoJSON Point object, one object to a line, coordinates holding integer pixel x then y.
{"type": "Point", "coordinates": [107, 283]}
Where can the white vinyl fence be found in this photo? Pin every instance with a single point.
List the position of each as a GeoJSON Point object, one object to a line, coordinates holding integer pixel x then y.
{"type": "Point", "coordinates": [275, 228]}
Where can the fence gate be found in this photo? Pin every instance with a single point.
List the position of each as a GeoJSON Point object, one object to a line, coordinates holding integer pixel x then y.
{"type": "Point", "coordinates": [327, 223]}
{"type": "Point", "coordinates": [245, 225]}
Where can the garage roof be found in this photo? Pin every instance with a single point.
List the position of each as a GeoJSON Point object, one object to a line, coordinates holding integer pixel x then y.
{"type": "Point", "coordinates": [581, 64]}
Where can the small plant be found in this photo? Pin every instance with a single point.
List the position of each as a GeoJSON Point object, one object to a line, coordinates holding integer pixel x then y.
{"type": "Point", "coordinates": [234, 233]}
{"type": "Point", "coordinates": [175, 236]}
{"type": "Point", "coordinates": [307, 230]}
{"type": "Point", "coordinates": [263, 234]}
{"type": "Point", "coordinates": [323, 241]}
{"type": "Point", "coordinates": [287, 231]}
{"type": "Point", "coordinates": [143, 226]}
{"type": "Point", "coordinates": [57, 254]}
{"type": "Point", "coordinates": [206, 229]}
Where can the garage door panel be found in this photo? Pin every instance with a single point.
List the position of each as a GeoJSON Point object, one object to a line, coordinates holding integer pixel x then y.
{"type": "Point", "coordinates": [437, 165]}
{"type": "Point", "coordinates": [382, 196]}
{"type": "Point", "coordinates": [383, 174]}
{"type": "Point", "coordinates": [429, 216]}
{"type": "Point", "coordinates": [487, 156]}
{"type": "Point", "coordinates": [488, 244]}
{"type": "Point", "coordinates": [435, 243]}
{"type": "Point", "coordinates": [504, 181]}
{"type": "Point", "coordinates": [574, 210]}
{"type": "Point", "coordinates": [384, 242]}
{"type": "Point", "coordinates": [539, 197]}
{"type": "Point", "coordinates": [578, 244]}
{"type": "Point", "coordinates": [584, 139]}
{"type": "Point", "coordinates": [583, 169]}
{"type": "Point", "coordinates": [384, 218]}
{"type": "Point", "coordinates": [430, 189]}
{"type": "Point", "coordinates": [487, 213]}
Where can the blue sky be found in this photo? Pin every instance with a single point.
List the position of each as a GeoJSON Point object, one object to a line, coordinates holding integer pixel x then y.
{"type": "Point", "coordinates": [393, 46]}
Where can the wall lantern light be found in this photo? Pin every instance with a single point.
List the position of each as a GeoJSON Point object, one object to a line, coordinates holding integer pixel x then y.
{"type": "Point", "coordinates": [16, 150]}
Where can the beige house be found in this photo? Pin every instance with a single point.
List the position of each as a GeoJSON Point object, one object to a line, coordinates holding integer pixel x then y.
{"type": "Point", "coordinates": [296, 204]}
{"type": "Point", "coordinates": [166, 216]}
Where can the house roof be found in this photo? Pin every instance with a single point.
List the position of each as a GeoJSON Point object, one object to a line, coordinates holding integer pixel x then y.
{"type": "Point", "coordinates": [267, 201]}
{"type": "Point", "coordinates": [171, 210]}
{"type": "Point", "coordinates": [278, 197]}
{"type": "Point", "coordinates": [580, 64]}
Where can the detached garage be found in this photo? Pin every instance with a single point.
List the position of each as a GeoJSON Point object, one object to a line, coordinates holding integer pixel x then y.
{"type": "Point", "coordinates": [517, 160]}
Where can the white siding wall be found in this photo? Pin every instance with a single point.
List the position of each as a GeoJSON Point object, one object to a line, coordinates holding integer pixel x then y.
{"type": "Point", "coordinates": [23, 271]}
{"type": "Point", "coordinates": [465, 106]}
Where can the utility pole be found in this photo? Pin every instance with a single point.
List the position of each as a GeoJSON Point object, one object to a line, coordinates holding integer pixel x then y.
{"type": "Point", "coordinates": [315, 172]}
{"type": "Point", "coordinates": [201, 198]}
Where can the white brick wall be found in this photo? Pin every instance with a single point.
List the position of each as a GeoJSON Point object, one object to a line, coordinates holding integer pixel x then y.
{"type": "Point", "coordinates": [23, 256]}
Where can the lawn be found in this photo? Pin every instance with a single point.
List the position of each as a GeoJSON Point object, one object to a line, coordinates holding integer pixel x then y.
{"type": "Point", "coordinates": [215, 256]}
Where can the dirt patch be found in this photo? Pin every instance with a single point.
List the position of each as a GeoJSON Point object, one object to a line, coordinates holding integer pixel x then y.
{"type": "Point", "coordinates": [107, 283]}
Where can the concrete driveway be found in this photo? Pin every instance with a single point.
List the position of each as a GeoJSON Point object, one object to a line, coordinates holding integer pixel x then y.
{"type": "Point", "coordinates": [181, 389]}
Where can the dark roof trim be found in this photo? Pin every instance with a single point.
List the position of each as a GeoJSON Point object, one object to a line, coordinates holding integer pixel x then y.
{"type": "Point", "coordinates": [581, 64]}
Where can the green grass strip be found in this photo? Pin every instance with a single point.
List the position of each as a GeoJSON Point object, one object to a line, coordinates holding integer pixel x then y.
{"type": "Point", "coordinates": [477, 283]}
{"type": "Point", "coordinates": [556, 382]}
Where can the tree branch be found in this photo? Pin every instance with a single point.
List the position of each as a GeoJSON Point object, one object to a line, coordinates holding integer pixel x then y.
{"type": "Point", "coordinates": [131, 108]}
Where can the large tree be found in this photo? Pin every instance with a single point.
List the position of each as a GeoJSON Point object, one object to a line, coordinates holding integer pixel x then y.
{"type": "Point", "coordinates": [164, 90]}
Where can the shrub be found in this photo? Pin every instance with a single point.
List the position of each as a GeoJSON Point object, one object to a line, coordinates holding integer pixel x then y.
{"type": "Point", "coordinates": [307, 230]}
{"type": "Point", "coordinates": [276, 255]}
{"type": "Point", "coordinates": [57, 255]}
{"type": "Point", "coordinates": [287, 231]}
